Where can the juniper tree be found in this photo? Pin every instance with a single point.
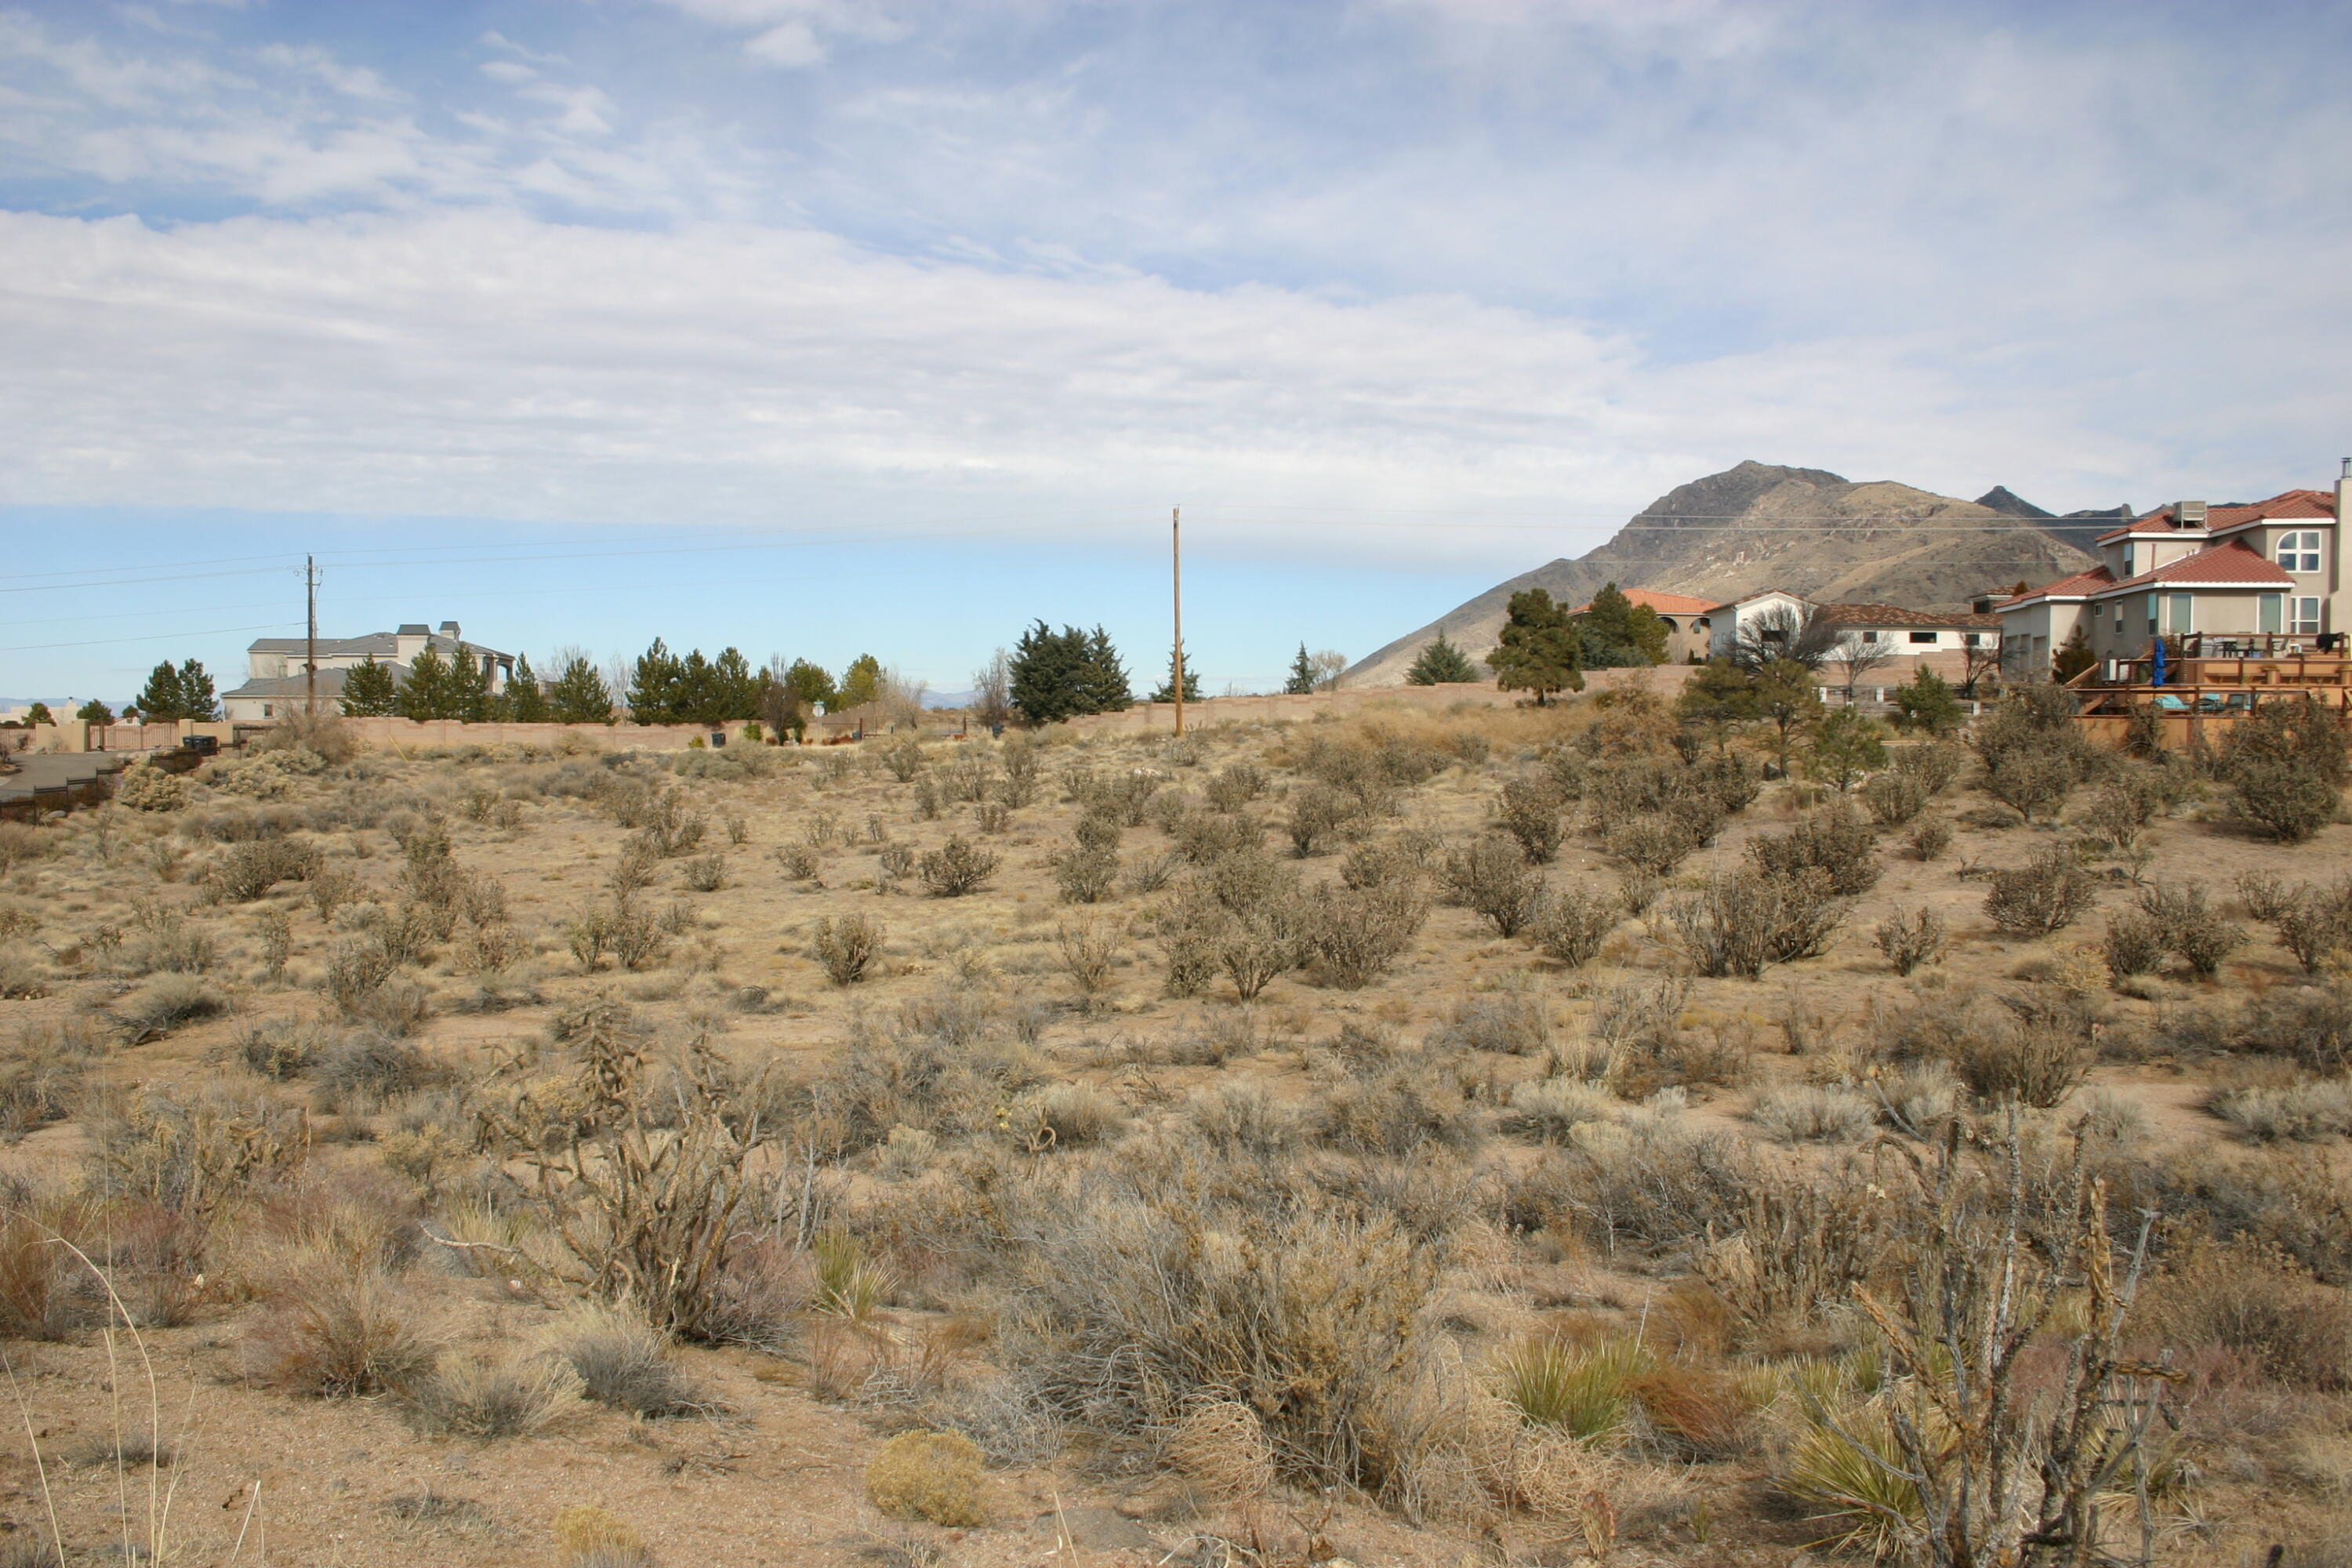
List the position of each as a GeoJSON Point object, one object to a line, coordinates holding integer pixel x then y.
{"type": "Point", "coordinates": [1105, 678]}
{"type": "Point", "coordinates": [1167, 692]}
{"type": "Point", "coordinates": [1440, 664]}
{"type": "Point", "coordinates": [1617, 632]}
{"type": "Point", "coordinates": [173, 694]}
{"type": "Point", "coordinates": [1540, 649]}
{"type": "Point", "coordinates": [1302, 674]}
{"type": "Point", "coordinates": [94, 713]}
{"type": "Point", "coordinates": [369, 691]}
{"type": "Point", "coordinates": [813, 684]}
{"type": "Point", "coordinates": [861, 683]}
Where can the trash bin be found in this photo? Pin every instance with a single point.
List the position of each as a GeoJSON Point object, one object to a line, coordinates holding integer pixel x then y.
{"type": "Point", "coordinates": [718, 737]}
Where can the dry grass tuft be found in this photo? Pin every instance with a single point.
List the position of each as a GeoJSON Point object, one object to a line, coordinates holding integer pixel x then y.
{"type": "Point", "coordinates": [1221, 1445]}
{"type": "Point", "coordinates": [933, 1476]}
{"type": "Point", "coordinates": [591, 1537]}
{"type": "Point", "coordinates": [470, 1395]}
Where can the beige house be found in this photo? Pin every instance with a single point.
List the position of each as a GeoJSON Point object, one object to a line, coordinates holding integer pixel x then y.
{"type": "Point", "coordinates": [1689, 631]}
{"type": "Point", "coordinates": [276, 680]}
{"type": "Point", "coordinates": [2240, 579]}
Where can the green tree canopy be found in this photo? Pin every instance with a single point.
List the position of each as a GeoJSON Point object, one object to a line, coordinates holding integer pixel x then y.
{"type": "Point", "coordinates": [185, 694]}
{"type": "Point", "coordinates": [861, 683]}
{"type": "Point", "coordinates": [1540, 651]}
{"type": "Point", "coordinates": [94, 713]}
{"type": "Point", "coordinates": [526, 701]}
{"type": "Point", "coordinates": [1718, 693]}
{"type": "Point", "coordinates": [579, 695]}
{"type": "Point", "coordinates": [1843, 747]}
{"type": "Point", "coordinates": [369, 691]}
{"type": "Point", "coordinates": [430, 691]}
{"type": "Point", "coordinates": [811, 684]}
{"type": "Point", "coordinates": [1302, 674]}
{"type": "Point", "coordinates": [1059, 675]}
{"type": "Point", "coordinates": [2073, 657]}
{"type": "Point", "coordinates": [38, 713]}
{"type": "Point", "coordinates": [1167, 692]}
{"type": "Point", "coordinates": [1926, 702]}
{"type": "Point", "coordinates": [469, 687]}
{"type": "Point", "coordinates": [1618, 633]}
{"type": "Point", "coordinates": [656, 683]}
{"type": "Point", "coordinates": [1787, 699]}
{"type": "Point", "coordinates": [1440, 664]}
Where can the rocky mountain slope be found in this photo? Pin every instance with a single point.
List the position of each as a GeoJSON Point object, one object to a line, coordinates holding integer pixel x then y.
{"type": "Point", "coordinates": [1763, 526]}
{"type": "Point", "coordinates": [2079, 528]}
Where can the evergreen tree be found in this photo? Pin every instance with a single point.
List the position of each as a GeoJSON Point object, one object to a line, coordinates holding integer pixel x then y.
{"type": "Point", "coordinates": [1302, 674]}
{"type": "Point", "coordinates": [861, 683]}
{"type": "Point", "coordinates": [468, 700]}
{"type": "Point", "coordinates": [1718, 693]}
{"type": "Point", "coordinates": [426, 693]}
{"type": "Point", "coordinates": [735, 688]}
{"type": "Point", "coordinates": [38, 713]}
{"type": "Point", "coordinates": [369, 691]}
{"type": "Point", "coordinates": [185, 694]}
{"type": "Point", "coordinates": [1167, 692]}
{"type": "Point", "coordinates": [1440, 664]}
{"type": "Point", "coordinates": [1844, 745]}
{"type": "Point", "coordinates": [1105, 677]}
{"type": "Point", "coordinates": [525, 703]}
{"type": "Point", "coordinates": [2075, 656]}
{"type": "Point", "coordinates": [1048, 674]}
{"type": "Point", "coordinates": [1787, 699]}
{"type": "Point", "coordinates": [1927, 703]}
{"type": "Point", "coordinates": [654, 685]}
{"type": "Point", "coordinates": [1540, 651]}
{"type": "Point", "coordinates": [579, 695]}
{"type": "Point", "coordinates": [811, 684]}
{"type": "Point", "coordinates": [94, 713]}
{"type": "Point", "coordinates": [1618, 633]}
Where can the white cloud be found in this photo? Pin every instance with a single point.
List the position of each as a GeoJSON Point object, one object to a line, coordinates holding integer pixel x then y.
{"type": "Point", "coordinates": [796, 34]}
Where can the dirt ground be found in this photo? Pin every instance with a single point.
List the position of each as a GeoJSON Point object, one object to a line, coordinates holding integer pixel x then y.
{"type": "Point", "coordinates": [773, 1471]}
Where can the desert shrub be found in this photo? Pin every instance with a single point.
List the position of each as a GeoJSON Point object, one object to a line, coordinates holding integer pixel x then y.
{"type": "Point", "coordinates": [957, 867]}
{"type": "Point", "coordinates": [2134, 943]}
{"type": "Point", "coordinates": [1513, 1023]}
{"type": "Point", "coordinates": [1317, 813]}
{"type": "Point", "coordinates": [1928, 840]}
{"type": "Point", "coordinates": [1396, 1112]}
{"type": "Point", "coordinates": [707, 873]}
{"type": "Point", "coordinates": [1585, 1391]}
{"type": "Point", "coordinates": [2313, 1111]}
{"type": "Point", "coordinates": [1552, 1108]}
{"type": "Point", "coordinates": [1356, 933]}
{"type": "Point", "coordinates": [1490, 877]}
{"type": "Point", "coordinates": [2256, 1301]}
{"type": "Point", "coordinates": [2044, 895]}
{"type": "Point", "coordinates": [1912, 939]}
{"type": "Point", "coordinates": [1895, 797]}
{"type": "Point", "coordinates": [1149, 872]}
{"type": "Point", "coordinates": [2038, 1057]}
{"type": "Point", "coordinates": [932, 1476]}
{"type": "Point", "coordinates": [2315, 924]}
{"type": "Point", "coordinates": [1834, 843]}
{"type": "Point", "coordinates": [1243, 1119]}
{"type": "Point", "coordinates": [1087, 951]}
{"type": "Point", "coordinates": [327, 1325]}
{"type": "Point", "coordinates": [591, 1537]}
{"type": "Point", "coordinates": [798, 861]}
{"type": "Point", "coordinates": [1647, 1181]}
{"type": "Point", "coordinates": [470, 1395]}
{"type": "Point", "coordinates": [1257, 944]}
{"type": "Point", "coordinates": [1847, 1469]}
{"type": "Point", "coordinates": [2287, 760]}
{"type": "Point", "coordinates": [1234, 786]}
{"type": "Point", "coordinates": [2031, 782]}
{"type": "Point", "coordinates": [23, 975]}
{"type": "Point", "coordinates": [246, 871]}
{"type": "Point", "coordinates": [1916, 1098]}
{"type": "Point", "coordinates": [623, 1362]}
{"type": "Point", "coordinates": [1084, 875]}
{"type": "Point", "coordinates": [1740, 923]}
{"type": "Point", "coordinates": [1654, 844]}
{"type": "Point", "coordinates": [143, 787]}
{"type": "Point", "coordinates": [41, 1074]}
{"type": "Point", "coordinates": [165, 939]}
{"type": "Point", "coordinates": [2119, 810]}
{"type": "Point", "coordinates": [164, 1004]}
{"type": "Point", "coordinates": [2191, 929]}
{"type": "Point", "coordinates": [366, 1067]}
{"type": "Point", "coordinates": [1530, 811]}
{"type": "Point", "coordinates": [1808, 1113]}
{"type": "Point", "coordinates": [846, 948]}
{"type": "Point", "coordinates": [1571, 924]}
{"type": "Point", "coordinates": [1066, 1116]}
{"type": "Point", "coordinates": [1146, 1291]}
{"type": "Point", "coordinates": [2312, 1024]}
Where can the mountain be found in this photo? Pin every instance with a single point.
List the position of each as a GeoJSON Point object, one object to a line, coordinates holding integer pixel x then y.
{"type": "Point", "coordinates": [1759, 526]}
{"type": "Point", "coordinates": [2088, 525]}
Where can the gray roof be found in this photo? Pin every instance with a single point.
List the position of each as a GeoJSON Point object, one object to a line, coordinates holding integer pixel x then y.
{"type": "Point", "coordinates": [331, 682]}
{"type": "Point", "coordinates": [381, 645]}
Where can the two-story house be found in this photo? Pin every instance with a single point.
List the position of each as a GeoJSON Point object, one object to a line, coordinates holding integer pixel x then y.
{"type": "Point", "coordinates": [2254, 578]}
{"type": "Point", "coordinates": [276, 681]}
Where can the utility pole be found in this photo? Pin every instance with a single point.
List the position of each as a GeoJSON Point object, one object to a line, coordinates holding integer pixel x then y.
{"type": "Point", "coordinates": [310, 643]}
{"type": "Point", "coordinates": [1176, 563]}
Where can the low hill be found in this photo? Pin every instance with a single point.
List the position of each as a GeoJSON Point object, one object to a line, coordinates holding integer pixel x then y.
{"type": "Point", "coordinates": [1762, 525]}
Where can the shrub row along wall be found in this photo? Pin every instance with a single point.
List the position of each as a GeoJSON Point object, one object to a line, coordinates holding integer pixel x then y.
{"type": "Point", "coordinates": [1145, 718]}
{"type": "Point", "coordinates": [397, 734]}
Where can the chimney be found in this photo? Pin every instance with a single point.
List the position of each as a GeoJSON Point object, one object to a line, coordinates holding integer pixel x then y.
{"type": "Point", "coordinates": [449, 629]}
{"type": "Point", "coordinates": [2189, 513]}
{"type": "Point", "coordinates": [2344, 493]}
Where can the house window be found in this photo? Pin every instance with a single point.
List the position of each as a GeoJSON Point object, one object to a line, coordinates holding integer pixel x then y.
{"type": "Point", "coordinates": [1973, 640]}
{"type": "Point", "coordinates": [2151, 614]}
{"type": "Point", "coordinates": [2127, 560]}
{"type": "Point", "coordinates": [2299, 552]}
{"type": "Point", "coordinates": [2177, 616]}
{"type": "Point", "coordinates": [2097, 611]}
{"type": "Point", "coordinates": [268, 711]}
{"type": "Point", "coordinates": [2306, 615]}
{"type": "Point", "coordinates": [1870, 636]}
{"type": "Point", "coordinates": [2272, 609]}
{"type": "Point", "coordinates": [1923, 636]}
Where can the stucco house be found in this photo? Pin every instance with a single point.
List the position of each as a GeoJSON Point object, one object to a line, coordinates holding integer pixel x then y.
{"type": "Point", "coordinates": [1726, 621]}
{"type": "Point", "coordinates": [1689, 631]}
{"type": "Point", "coordinates": [2257, 577]}
{"type": "Point", "coordinates": [276, 680]}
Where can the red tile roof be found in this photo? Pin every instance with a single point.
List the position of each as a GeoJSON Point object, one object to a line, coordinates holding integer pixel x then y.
{"type": "Point", "coordinates": [2286, 506]}
{"type": "Point", "coordinates": [1664, 604]}
{"type": "Point", "coordinates": [2080, 586]}
{"type": "Point", "coordinates": [2217, 564]}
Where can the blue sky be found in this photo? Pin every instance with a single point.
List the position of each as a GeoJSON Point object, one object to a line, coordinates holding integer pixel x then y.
{"type": "Point", "coordinates": [821, 327]}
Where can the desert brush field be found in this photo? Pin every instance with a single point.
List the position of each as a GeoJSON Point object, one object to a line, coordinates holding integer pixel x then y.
{"type": "Point", "coordinates": [1515, 1136]}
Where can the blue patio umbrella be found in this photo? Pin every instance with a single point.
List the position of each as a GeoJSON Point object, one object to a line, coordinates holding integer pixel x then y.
{"type": "Point", "coordinates": [2157, 675]}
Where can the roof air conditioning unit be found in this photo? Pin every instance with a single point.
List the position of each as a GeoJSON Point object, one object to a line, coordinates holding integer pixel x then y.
{"type": "Point", "coordinates": [2191, 514]}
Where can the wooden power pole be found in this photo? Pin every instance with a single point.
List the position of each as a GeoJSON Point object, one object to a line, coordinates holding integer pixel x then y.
{"type": "Point", "coordinates": [1176, 563]}
{"type": "Point", "coordinates": [310, 642]}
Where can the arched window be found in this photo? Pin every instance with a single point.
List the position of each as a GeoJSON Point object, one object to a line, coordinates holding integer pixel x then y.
{"type": "Point", "coordinates": [2299, 552]}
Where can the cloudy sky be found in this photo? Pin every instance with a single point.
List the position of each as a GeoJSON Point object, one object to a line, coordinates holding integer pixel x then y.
{"type": "Point", "coordinates": [822, 326]}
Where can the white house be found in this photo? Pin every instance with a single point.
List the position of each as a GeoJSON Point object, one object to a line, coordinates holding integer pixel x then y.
{"type": "Point", "coordinates": [276, 681]}
{"type": "Point", "coordinates": [1727, 621]}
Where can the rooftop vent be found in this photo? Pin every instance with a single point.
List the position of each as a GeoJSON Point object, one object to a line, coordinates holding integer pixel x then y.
{"type": "Point", "coordinates": [2190, 513]}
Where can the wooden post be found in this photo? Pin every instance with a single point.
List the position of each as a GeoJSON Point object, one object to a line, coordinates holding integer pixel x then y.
{"type": "Point", "coordinates": [1176, 579]}
{"type": "Point", "coordinates": [310, 642]}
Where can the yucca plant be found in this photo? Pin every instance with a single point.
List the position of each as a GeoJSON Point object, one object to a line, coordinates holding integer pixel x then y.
{"type": "Point", "coordinates": [1582, 1390]}
{"type": "Point", "coordinates": [1848, 1467]}
{"type": "Point", "coordinates": [849, 1285]}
